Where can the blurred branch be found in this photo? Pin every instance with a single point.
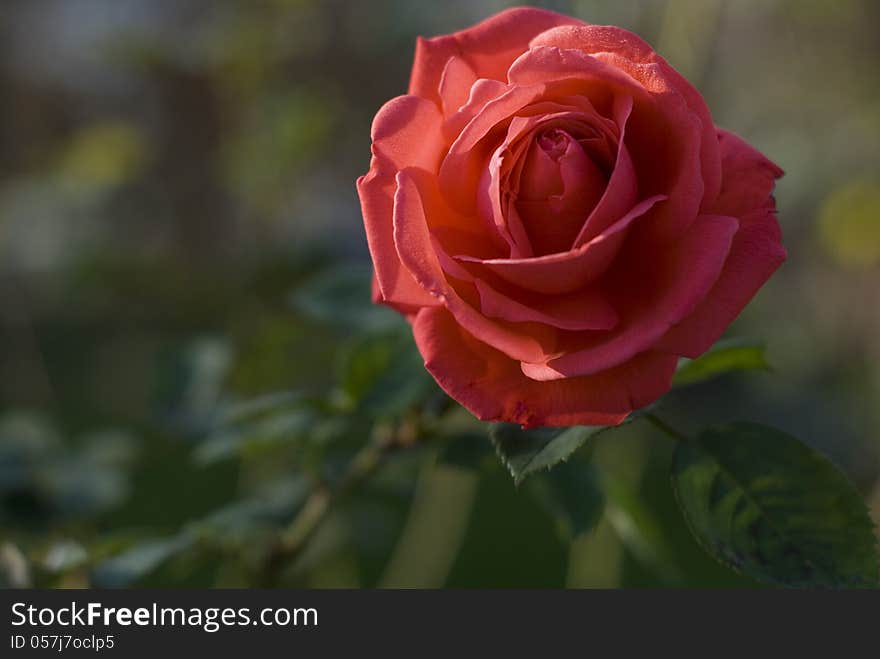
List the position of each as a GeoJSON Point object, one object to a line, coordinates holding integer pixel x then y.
{"type": "Point", "coordinates": [316, 507]}
{"type": "Point", "coordinates": [666, 428]}
{"type": "Point", "coordinates": [320, 503]}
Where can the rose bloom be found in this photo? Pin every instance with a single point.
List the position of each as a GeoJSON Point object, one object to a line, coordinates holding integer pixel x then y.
{"type": "Point", "coordinates": [554, 211]}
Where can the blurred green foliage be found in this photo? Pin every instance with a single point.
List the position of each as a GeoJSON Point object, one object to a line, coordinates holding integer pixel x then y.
{"type": "Point", "coordinates": [186, 339]}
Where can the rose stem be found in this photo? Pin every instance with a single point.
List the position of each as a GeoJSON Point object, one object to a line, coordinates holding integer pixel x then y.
{"type": "Point", "coordinates": [666, 428]}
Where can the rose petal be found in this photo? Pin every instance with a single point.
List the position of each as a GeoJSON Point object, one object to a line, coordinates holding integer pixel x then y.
{"type": "Point", "coordinates": [406, 132]}
{"type": "Point", "coordinates": [480, 94]}
{"type": "Point", "coordinates": [662, 129]}
{"type": "Point", "coordinates": [488, 47]}
{"type": "Point", "coordinates": [654, 291]}
{"type": "Point", "coordinates": [622, 190]}
{"type": "Point", "coordinates": [496, 213]}
{"type": "Point", "coordinates": [464, 163]}
{"type": "Point", "coordinates": [664, 142]}
{"type": "Point", "coordinates": [493, 388]}
{"type": "Point", "coordinates": [375, 291]}
{"type": "Point", "coordinates": [417, 253]}
{"type": "Point", "coordinates": [455, 85]}
{"type": "Point", "coordinates": [755, 254]}
{"type": "Point", "coordinates": [395, 286]}
{"type": "Point", "coordinates": [466, 159]}
{"type": "Point", "coordinates": [543, 64]}
{"type": "Point", "coordinates": [610, 39]}
{"type": "Point", "coordinates": [580, 311]}
{"type": "Point", "coordinates": [749, 177]}
{"type": "Point", "coordinates": [575, 114]}
{"type": "Point", "coordinates": [560, 185]}
{"type": "Point", "coordinates": [495, 206]}
{"type": "Point", "coordinates": [585, 309]}
{"type": "Point", "coordinates": [567, 271]}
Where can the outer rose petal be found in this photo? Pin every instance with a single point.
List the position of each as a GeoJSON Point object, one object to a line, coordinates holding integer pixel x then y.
{"type": "Point", "coordinates": [392, 283]}
{"type": "Point", "coordinates": [658, 291]}
{"type": "Point", "coordinates": [749, 177]}
{"type": "Point", "coordinates": [493, 388]}
{"type": "Point", "coordinates": [755, 254]}
{"type": "Point", "coordinates": [406, 132]}
{"type": "Point", "coordinates": [375, 293]}
{"type": "Point", "coordinates": [488, 47]}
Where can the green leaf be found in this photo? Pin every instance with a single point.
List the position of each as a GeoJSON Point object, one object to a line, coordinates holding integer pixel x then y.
{"type": "Point", "coordinates": [139, 561]}
{"type": "Point", "coordinates": [246, 409]}
{"type": "Point", "coordinates": [236, 525]}
{"type": "Point", "coordinates": [763, 503]}
{"type": "Point", "coordinates": [723, 357]}
{"type": "Point", "coordinates": [525, 452]}
{"type": "Point", "coordinates": [191, 383]}
{"type": "Point", "coordinates": [65, 555]}
{"type": "Point", "coordinates": [571, 492]}
{"type": "Point", "coordinates": [340, 296]}
{"type": "Point", "coordinates": [284, 429]}
{"type": "Point", "coordinates": [384, 374]}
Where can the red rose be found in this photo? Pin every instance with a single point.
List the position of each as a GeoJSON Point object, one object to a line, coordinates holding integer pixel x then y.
{"type": "Point", "coordinates": [554, 211]}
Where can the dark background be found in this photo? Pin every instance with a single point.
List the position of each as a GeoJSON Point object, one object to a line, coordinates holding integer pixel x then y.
{"type": "Point", "coordinates": [171, 173]}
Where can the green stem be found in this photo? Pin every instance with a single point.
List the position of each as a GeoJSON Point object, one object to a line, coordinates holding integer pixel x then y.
{"type": "Point", "coordinates": [666, 428]}
{"type": "Point", "coordinates": [316, 507]}
{"type": "Point", "coordinates": [293, 540]}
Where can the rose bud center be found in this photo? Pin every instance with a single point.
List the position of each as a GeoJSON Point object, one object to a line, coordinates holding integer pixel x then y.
{"type": "Point", "coordinates": [559, 186]}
